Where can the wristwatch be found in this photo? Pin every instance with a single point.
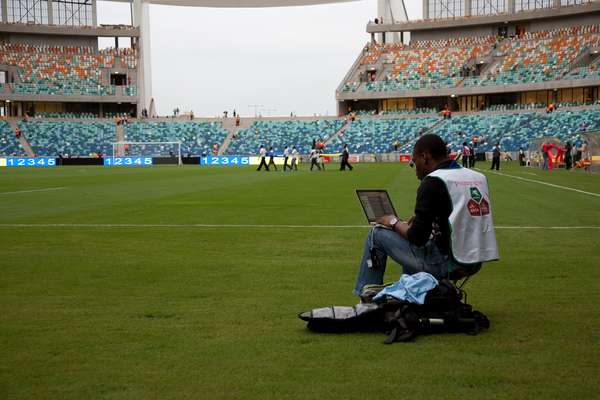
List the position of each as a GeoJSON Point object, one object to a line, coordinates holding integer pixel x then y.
{"type": "Point", "coordinates": [393, 222]}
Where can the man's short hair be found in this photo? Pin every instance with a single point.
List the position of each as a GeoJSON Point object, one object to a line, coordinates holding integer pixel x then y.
{"type": "Point", "coordinates": [432, 144]}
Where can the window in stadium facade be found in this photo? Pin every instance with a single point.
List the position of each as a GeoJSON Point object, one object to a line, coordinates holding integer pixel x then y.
{"type": "Point", "coordinates": [72, 13]}
{"type": "Point", "coordinates": [526, 5]}
{"type": "Point", "coordinates": [488, 7]}
{"type": "Point", "coordinates": [573, 2]}
{"type": "Point", "coordinates": [24, 11]}
{"type": "Point", "coordinates": [446, 8]}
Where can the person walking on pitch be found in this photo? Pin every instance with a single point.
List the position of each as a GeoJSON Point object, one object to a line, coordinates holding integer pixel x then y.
{"type": "Point", "coordinates": [286, 156]}
{"type": "Point", "coordinates": [314, 159]}
{"type": "Point", "coordinates": [345, 157]}
{"type": "Point", "coordinates": [294, 165]}
{"type": "Point", "coordinates": [271, 155]}
{"type": "Point", "coordinates": [262, 152]}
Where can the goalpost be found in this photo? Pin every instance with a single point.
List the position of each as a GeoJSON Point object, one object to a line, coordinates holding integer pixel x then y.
{"type": "Point", "coordinates": [148, 149]}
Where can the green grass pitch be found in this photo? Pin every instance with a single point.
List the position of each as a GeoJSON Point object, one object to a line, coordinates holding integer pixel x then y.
{"type": "Point", "coordinates": [184, 312]}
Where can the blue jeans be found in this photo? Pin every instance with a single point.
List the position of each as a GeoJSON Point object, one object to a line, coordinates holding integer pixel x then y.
{"type": "Point", "coordinates": [382, 243]}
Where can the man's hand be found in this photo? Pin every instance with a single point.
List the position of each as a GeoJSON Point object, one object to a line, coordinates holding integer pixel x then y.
{"type": "Point", "coordinates": [387, 220]}
{"type": "Point", "coordinates": [400, 228]}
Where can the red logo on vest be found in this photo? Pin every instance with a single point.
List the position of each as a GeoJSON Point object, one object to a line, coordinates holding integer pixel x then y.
{"type": "Point", "coordinates": [485, 207]}
{"type": "Point", "coordinates": [474, 208]}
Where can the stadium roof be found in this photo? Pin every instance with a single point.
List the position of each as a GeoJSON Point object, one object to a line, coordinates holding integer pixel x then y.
{"type": "Point", "coordinates": [240, 3]}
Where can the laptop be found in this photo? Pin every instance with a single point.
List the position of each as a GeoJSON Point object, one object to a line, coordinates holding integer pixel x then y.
{"type": "Point", "coordinates": [375, 204]}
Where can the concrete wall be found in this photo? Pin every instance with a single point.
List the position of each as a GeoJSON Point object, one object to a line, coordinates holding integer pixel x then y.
{"type": "Point", "coordinates": [54, 40]}
{"type": "Point", "coordinates": [532, 26]}
{"type": "Point", "coordinates": [100, 31]}
{"type": "Point", "coordinates": [475, 31]}
{"type": "Point", "coordinates": [565, 22]}
{"type": "Point", "coordinates": [468, 91]}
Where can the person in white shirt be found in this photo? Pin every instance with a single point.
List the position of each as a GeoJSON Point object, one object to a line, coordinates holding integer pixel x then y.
{"type": "Point", "coordinates": [286, 156]}
{"type": "Point", "coordinates": [314, 159]}
{"type": "Point", "coordinates": [294, 165]}
{"type": "Point", "coordinates": [262, 152]}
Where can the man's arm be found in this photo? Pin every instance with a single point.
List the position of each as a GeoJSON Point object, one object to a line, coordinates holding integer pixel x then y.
{"type": "Point", "coordinates": [398, 226]}
{"type": "Point", "coordinates": [430, 196]}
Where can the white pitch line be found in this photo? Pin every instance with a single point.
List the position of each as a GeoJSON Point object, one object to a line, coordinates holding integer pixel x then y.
{"type": "Point", "coordinates": [34, 190]}
{"type": "Point", "coordinates": [225, 226]}
{"type": "Point", "coordinates": [546, 183]}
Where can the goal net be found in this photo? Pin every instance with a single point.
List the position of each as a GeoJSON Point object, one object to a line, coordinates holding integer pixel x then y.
{"type": "Point", "coordinates": [164, 150]}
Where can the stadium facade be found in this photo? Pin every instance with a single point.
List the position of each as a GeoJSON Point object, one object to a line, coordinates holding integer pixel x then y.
{"type": "Point", "coordinates": [470, 55]}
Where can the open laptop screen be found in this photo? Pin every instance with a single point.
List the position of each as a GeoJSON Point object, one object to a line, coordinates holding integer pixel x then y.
{"type": "Point", "coordinates": [375, 203]}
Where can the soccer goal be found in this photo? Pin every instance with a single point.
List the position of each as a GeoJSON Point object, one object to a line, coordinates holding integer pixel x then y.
{"type": "Point", "coordinates": [161, 150]}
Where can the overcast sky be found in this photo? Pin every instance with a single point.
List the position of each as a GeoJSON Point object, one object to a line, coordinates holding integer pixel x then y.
{"type": "Point", "coordinates": [288, 59]}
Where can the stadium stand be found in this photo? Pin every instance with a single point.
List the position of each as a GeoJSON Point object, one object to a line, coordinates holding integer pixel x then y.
{"type": "Point", "coordinates": [9, 144]}
{"type": "Point", "coordinates": [62, 70]}
{"type": "Point", "coordinates": [69, 138]}
{"type": "Point", "coordinates": [534, 57]}
{"type": "Point", "coordinates": [414, 111]}
{"type": "Point", "coordinates": [197, 138]}
{"type": "Point", "coordinates": [514, 131]}
{"type": "Point", "coordinates": [538, 56]}
{"type": "Point", "coordinates": [378, 135]}
{"type": "Point", "coordinates": [65, 115]}
{"type": "Point", "coordinates": [507, 107]}
{"type": "Point", "coordinates": [283, 133]}
{"type": "Point", "coordinates": [424, 64]}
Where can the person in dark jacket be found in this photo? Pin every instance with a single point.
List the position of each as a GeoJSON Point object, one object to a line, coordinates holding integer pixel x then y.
{"type": "Point", "coordinates": [345, 157]}
{"type": "Point", "coordinates": [496, 157]}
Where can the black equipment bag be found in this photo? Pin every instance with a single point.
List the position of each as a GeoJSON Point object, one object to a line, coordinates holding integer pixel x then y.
{"type": "Point", "coordinates": [443, 311]}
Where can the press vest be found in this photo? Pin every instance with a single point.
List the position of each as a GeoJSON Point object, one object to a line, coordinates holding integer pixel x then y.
{"type": "Point", "coordinates": [472, 237]}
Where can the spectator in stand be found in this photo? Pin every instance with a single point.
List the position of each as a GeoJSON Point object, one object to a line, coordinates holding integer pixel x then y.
{"type": "Point", "coordinates": [396, 144]}
{"type": "Point", "coordinates": [18, 132]}
{"type": "Point", "coordinates": [446, 113]}
{"type": "Point", "coordinates": [237, 120]}
{"type": "Point", "coordinates": [191, 115]}
{"type": "Point", "coordinates": [215, 149]}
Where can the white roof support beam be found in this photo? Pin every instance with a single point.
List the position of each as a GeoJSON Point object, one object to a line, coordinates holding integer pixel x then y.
{"type": "Point", "coordinates": [240, 3]}
{"type": "Point", "coordinates": [141, 19]}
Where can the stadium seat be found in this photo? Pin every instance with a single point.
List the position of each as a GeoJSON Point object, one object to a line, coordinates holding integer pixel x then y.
{"type": "Point", "coordinates": [378, 135]}
{"type": "Point", "coordinates": [283, 133]}
{"type": "Point", "coordinates": [514, 131]}
{"type": "Point", "coordinates": [65, 70]}
{"type": "Point", "coordinates": [9, 144]}
{"type": "Point", "coordinates": [536, 57]}
{"type": "Point", "coordinates": [72, 138]}
{"type": "Point", "coordinates": [197, 138]}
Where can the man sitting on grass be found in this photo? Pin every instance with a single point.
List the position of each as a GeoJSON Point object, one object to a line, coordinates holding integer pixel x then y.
{"type": "Point", "coordinates": [451, 231]}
